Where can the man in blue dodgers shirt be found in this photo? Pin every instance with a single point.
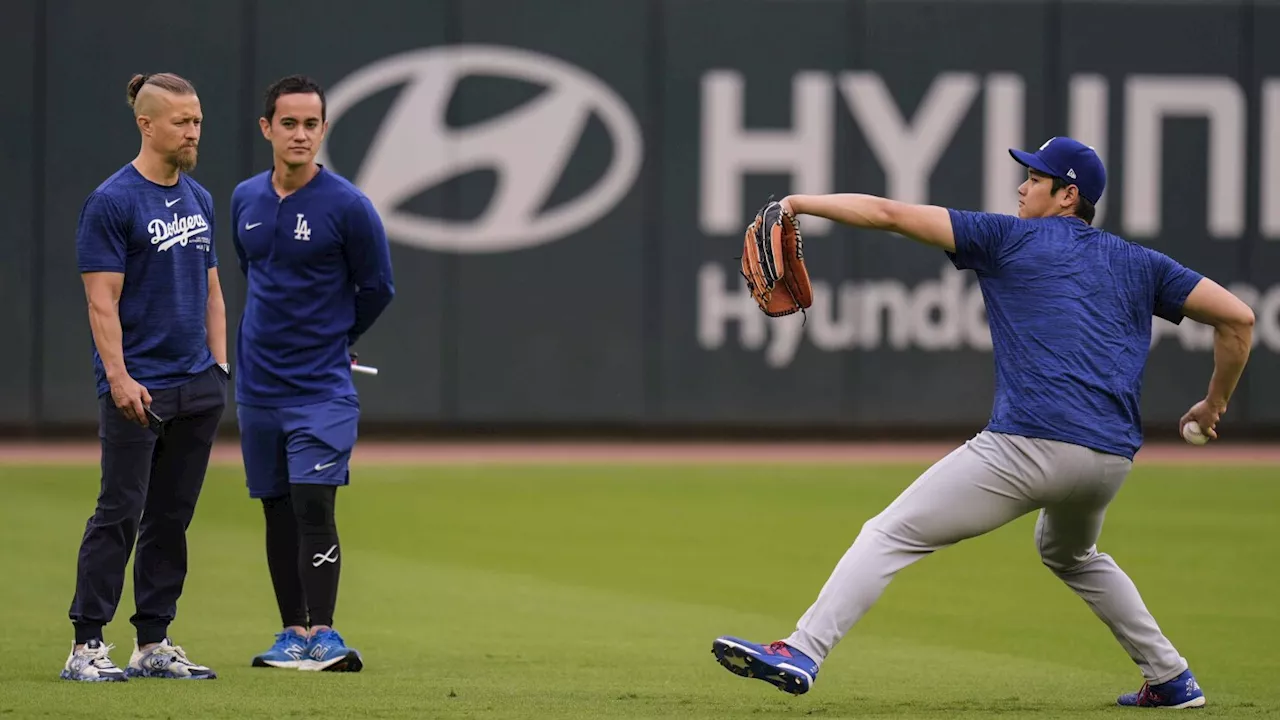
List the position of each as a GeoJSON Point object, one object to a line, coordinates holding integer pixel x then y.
{"type": "Point", "coordinates": [1070, 309]}
{"type": "Point", "coordinates": [319, 274]}
{"type": "Point", "coordinates": [145, 252]}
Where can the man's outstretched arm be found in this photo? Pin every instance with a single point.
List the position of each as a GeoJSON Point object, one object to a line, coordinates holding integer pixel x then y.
{"type": "Point", "coordinates": [928, 224]}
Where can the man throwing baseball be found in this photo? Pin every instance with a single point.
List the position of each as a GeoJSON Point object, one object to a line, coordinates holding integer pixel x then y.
{"type": "Point", "coordinates": [319, 276]}
{"type": "Point", "coordinates": [1070, 309]}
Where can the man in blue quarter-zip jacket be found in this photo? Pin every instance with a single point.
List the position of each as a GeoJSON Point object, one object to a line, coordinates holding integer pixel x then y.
{"type": "Point", "coordinates": [319, 274]}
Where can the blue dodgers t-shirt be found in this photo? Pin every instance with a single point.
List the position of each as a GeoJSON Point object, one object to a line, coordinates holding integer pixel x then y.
{"type": "Point", "coordinates": [161, 238]}
{"type": "Point", "coordinates": [1070, 309]}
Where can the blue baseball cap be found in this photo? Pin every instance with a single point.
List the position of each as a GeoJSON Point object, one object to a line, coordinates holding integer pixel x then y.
{"type": "Point", "coordinates": [1072, 161]}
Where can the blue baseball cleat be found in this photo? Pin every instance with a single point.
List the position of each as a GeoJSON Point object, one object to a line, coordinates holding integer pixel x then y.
{"type": "Point", "coordinates": [1180, 692]}
{"type": "Point", "coordinates": [289, 651]}
{"type": "Point", "coordinates": [328, 652]}
{"type": "Point", "coordinates": [776, 663]}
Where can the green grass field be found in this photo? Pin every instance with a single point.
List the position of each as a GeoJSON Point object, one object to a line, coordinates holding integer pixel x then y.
{"type": "Point", "coordinates": [595, 592]}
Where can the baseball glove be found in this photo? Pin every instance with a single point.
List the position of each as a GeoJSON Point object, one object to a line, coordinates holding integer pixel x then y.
{"type": "Point", "coordinates": [773, 251]}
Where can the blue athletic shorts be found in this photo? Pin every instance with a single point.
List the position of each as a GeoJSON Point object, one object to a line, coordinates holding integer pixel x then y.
{"type": "Point", "coordinates": [305, 444]}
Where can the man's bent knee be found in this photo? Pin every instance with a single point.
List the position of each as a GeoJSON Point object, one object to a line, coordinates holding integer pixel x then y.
{"type": "Point", "coordinates": [1063, 563]}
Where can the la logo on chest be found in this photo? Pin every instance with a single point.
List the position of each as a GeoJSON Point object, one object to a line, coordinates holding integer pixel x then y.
{"type": "Point", "coordinates": [302, 231]}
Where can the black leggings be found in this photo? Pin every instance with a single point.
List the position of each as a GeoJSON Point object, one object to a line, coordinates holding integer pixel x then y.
{"type": "Point", "coordinates": [303, 554]}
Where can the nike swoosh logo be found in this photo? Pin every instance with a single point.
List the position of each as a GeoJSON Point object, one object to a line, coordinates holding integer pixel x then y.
{"type": "Point", "coordinates": [250, 226]}
{"type": "Point", "coordinates": [320, 467]}
{"type": "Point", "coordinates": [171, 203]}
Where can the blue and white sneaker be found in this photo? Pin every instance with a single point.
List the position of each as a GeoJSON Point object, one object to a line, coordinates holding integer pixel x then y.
{"type": "Point", "coordinates": [91, 664]}
{"type": "Point", "coordinates": [328, 652]}
{"type": "Point", "coordinates": [776, 663]}
{"type": "Point", "coordinates": [165, 660]}
{"type": "Point", "coordinates": [289, 651]}
{"type": "Point", "coordinates": [1180, 692]}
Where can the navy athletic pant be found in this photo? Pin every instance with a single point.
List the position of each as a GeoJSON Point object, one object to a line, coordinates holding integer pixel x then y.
{"type": "Point", "coordinates": [150, 485]}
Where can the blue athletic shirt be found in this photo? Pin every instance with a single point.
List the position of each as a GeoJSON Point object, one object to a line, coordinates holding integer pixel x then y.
{"type": "Point", "coordinates": [161, 238]}
{"type": "Point", "coordinates": [1070, 309]}
{"type": "Point", "coordinates": [319, 275]}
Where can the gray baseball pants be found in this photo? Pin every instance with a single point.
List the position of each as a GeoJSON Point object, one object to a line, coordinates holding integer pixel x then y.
{"type": "Point", "coordinates": [989, 481]}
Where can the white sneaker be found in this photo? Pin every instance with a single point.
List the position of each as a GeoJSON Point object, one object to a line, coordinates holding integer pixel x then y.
{"type": "Point", "coordinates": [165, 660]}
{"type": "Point", "coordinates": [91, 664]}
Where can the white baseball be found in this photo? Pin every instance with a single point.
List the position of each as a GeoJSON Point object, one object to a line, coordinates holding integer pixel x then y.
{"type": "Point", "coordinates": [1192, 433]}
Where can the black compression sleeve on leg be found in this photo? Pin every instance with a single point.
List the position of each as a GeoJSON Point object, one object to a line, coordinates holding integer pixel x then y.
{"type": "Point", "coordinates": [320, 560]}
{"type": "Point", "coordinates": [282, 560]}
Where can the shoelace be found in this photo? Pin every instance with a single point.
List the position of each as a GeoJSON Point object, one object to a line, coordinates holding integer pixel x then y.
{"type": "Point", "coordinates": [1146, 697]}
{"type": "Point", "coordinates": [176, 651]}
{"type": "Point", "coordinates": [100, 657]}
{"type": "Point", "coordinates": [287, 641]}
{"type": "Point", "coordinates": [329, 637]}
{"type": "Point", "coordinates": [778, 647]}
